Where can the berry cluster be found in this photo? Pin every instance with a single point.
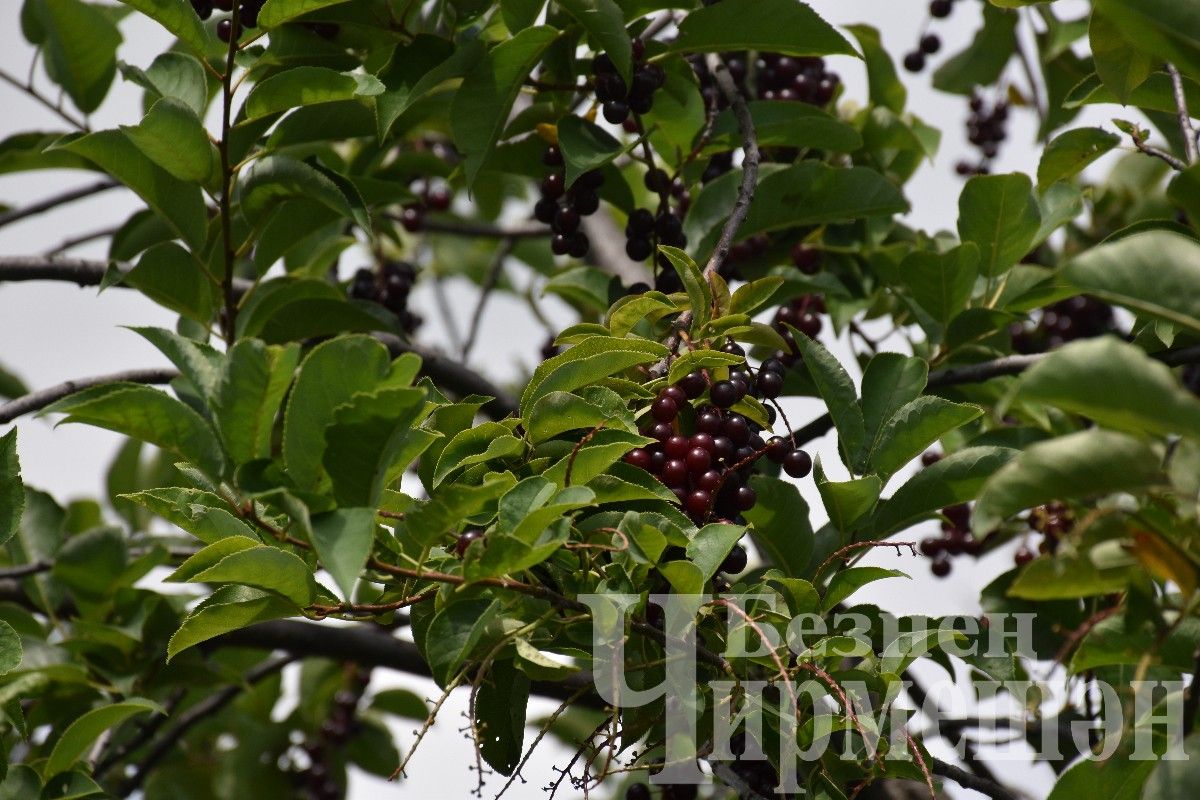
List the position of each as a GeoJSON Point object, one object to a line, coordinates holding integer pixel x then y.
{"type": "Point", "coordinates": [1078, 317]}
{"type": "Point", "coordinates": [247, 16]}
{"type": "Point", "coordinates": [1053, 520]}
{"type": "Point", "coordinates": [927, 45]}
{"type": "Point", "coordinates": [780, 77]}
{"type": "Point", "coordinates": [563, 209]}
{"type": "Point", "coordinates": [985, 130]}
{"type": "Point", "coordinates": [803, 314]}
{"type": "Point", "coordinates": [390, 287]}
{"type": "Point", "coordinates": [433, 197]}
{"type": "Point", "coordinates": [316, 781]}
{"type": "Point", "coordinates": [708, 467]}
{"type": "Point", "coordinates": [619, 100]}
{"type": "Point", "coordinates": [956, 539]}
{"type": "Point", "coordinates": [644, 230]}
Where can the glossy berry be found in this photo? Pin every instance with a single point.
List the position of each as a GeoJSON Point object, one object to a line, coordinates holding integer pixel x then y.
{"type": "Point", "coordinates": [664, 409]}
{"type": "Point", "coordinates": [552, 157]}
{"type": "Point", "coordinates": [745, 498]}
{"type": "Point", "coordinates": [737, 429]}
{"type": "Point", "coordinates": [657, 180]}
{"type": "Point", "coordinates": [638, 457]}
{"type": "Point", "coordinates": [770, 384]}
{"type": "Point", "coordinates": [797, 463]}
{"type": "Point", "coordinates": [545, 210]}
{"type": "Point", "coordinates": [709, 481]}
{"type": "Point", "coordinates": [438, 198]}
{"type": "Point", "coordinates": [708, 422]}
{"type": "Point", "coordinates": [566, 220]}
{"type": "Point", "coordinates": [662, 431]}
{"type": "Point", "coordinates": [203, 8]}
{"type": "Point", "coordinates": [560, 244]}
{"type": "Point", "coordinates": [464, 540]}
{"type": "Point", "coordinates": [674, 472]}
{"type": "Point", "coordinates": [677, 446]}
{"type": "Point", "coordinates": [693, 385]}
{"type": "Point", "coordinates": [778, 449]}
{"type": "Point", "coordinates": [723, 448]}
{"type": "Point", "coordinates": [733, 348]}
{"type": "Point", "coordinates": [940, 8]}
{"type": "Point", "coordinates": [698, 460]}
{"type": "Point", "coordinates": [413, 219]}
{"type": "Point", "coordinates": [931, 546]}
{"type": "Point", "coordinates": [734, 563]}
{"type": "Point", "coordinates": [697, 503]}
{"type": "Point", "coordinates": [1023, 556]}
{"type": "Point", "coordinates": [914, 61]}
{"type": "Point", "coordinates": [225, 30]}
{"type": "Point", "coordinates": [616, 112]}
{"type": "Point", "coordinates": [930, 457]}
{"type": "Point", "coordinates": [552, 186]}
{"type": "Point", "coordinates": [940, 567]}
{"type": "Point", "coordinates": [723, 394]}
{"type": "Point", "coordinates": [930, 43]}
{"type": "Point", "coordinates": [638, 249]}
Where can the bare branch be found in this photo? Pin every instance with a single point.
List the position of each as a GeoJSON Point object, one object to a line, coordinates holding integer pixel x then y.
{"type": "Point", "coordinates": [28, 88]}
{"type": "Point", "coordinates": [1185, 118]}
{"type": "Point", "coordinates": [485, 290]}
{"type": "Point", "coordinates": [1035, 91]}
{"type": "Point", "coordinates": [225, 209]}
{"type": "Point", "coordinates": [33, 209]}
{"type": "Point", "coordinates": [481, 230]}
{"type": "Point", "coordinates": [80, 271]}
{"type": "Point", "coordinates": [969, 780]}
{"type": "Point", "coordinates": [83, 238]}
{"type": "Point", "coordinates": [196, 714]}
{"type": "Point", "coordinates": [1155, 152]}
{"type": "Point", "coordinates": [35, 401]}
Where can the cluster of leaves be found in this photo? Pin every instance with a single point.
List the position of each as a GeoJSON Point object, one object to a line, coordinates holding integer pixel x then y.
{"type": "Point", "coordinates": [309, 464]}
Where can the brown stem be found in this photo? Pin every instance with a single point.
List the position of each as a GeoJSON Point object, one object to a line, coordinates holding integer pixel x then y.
{"type": "Point", "coordinates": [229, 322]}
{"type": "Point", "coordinates": [1185, 118]}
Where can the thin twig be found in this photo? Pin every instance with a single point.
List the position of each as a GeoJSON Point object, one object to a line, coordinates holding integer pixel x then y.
{"type": "Point", "coordinates": [69, 196]}
{"type": "Point", "coordinates": [1185, 118]}
{"type": "Point", "coordinates": [196, 714]}
{"type": "Point", "coordinates": [35, 401]}
{"type": "Point", "coordinates": [447, 312]}
{"type": "Point", "coordinates": [480, 230]}
{"type": "Point", "coordinates": [968, 780]}
{"type": "Point", "coordinates": [1027, 67]}
{"type": "Point", "coordinates": [29, 89]}
{"type": "Point", "coordinates": [1150, 150]}
{"type": "Point", "coordinates": [741, 206]}
{"type": "Point", "coordinates": [495, 269]}
{"type": "Point", "coordinates": [83, 238]}
{"type": "Point", "coordinates": [229, 322]}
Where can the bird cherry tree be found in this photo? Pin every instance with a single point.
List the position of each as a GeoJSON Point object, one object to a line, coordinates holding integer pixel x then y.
{"type": "Point", "coordinates": [326, 486]}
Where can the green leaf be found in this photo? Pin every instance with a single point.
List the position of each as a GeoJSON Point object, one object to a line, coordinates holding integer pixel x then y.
{"type": "Point", "coordinates": [92, 563]}
{"type": "Point", "coordinates": [179, 203]}
{"type": "Point", "coordinates": [1068, 153]}
{"type": "Point", "coordinates": [210, 556]}
{"type": "Point", "coordinates": [173, 76]}
{"type": "Point", "coordinates": [846, 582]}
{"type": "Point", "coordinates": [251, 387]}
{"type": "Point", "coordinates": [520, 14]}
{"type": "Point", "coordinates": [476, 445]}
{"type": "Point", "coordinates": [942, 283]}
{"type": "Point", "coordinates": [586, 146]}
{"type": "Point", "coordinates": [811, 193]}
{"type": "Point", "coordinates": [1120, 65]}
{"type": "Point", "coordinates": [884, 88]}
{"type": "Point", "coordinates": [343, 539]}
{"type": "Point", "coordinates": [483, 102]}
{"type": "Point", "coordinates": [699, 291]}
{"type": "Point", "coordinates": [1068, 577]}
{"type": "Point", "coordinates": [12, 491]}
{"type": "Point", "coordinates": [276, 12]}
{"type": "Point", "coordinates": [1115, 384]}
{"type": "Point", "coordinates": [1184, 191]}
{"type": "Point", "coordinates": [605, 24]}
{"type": "Point", "coordinates": [228, 609]}
{"type": "Point", "coordinates": [80, 49]}
{"type": "Point", "coordinates": [1117, 271]}
{"type": "Point", "coordinates": [837, 390]}
{"type": "Point", "coordinates": [999, 215]}
{"type": "Point", "coordinates": [206, 516]}
{"type": "Point", "coordinates": [1167, 30]}
{"type": "Point", "coordinates": [146, 414]}
{"type": "Point", "coordinates": [172, 136]}
{"type": "Point", "coordinates": [79, 736]}
{"type": "Point", "coordinates": [1156, 93]}
{"type": "Point", "coordinates": [981, 63]}
{"type": "Point", "coordinates": [306, 86]}
{"type": "Point", "coordinates": [749, 296]}
{"type": "Point", "coordinates": [329, 376]}
{"type": "Point", "coordinates": [11, 650]}
{"type": "Point", "coordinates": [418, 68]}
{"type": "Point", "coordinates": [1116, 778]}
{"type": "Point", "coordinates": [699, 359]}
{"type": "Point", "coordinates": [890, 381]}
{"type": "Point", "coordinates": [1090, 463]}
{"type": "Point", "coordinates": [179, 18]}
{"type": "Point", "coordinates": [168, 275]}
{"type": "Point", "coordinates": [782, 123]}
{"type": "Point", "coordinates": [847, 502]}
{"type": "Point", "coordinates": [500, 708]}
{"type": "Point", "coordinates": [451, 503]}
{"type": "Point", "coordinates": [453, 633]}
{"type": "Point", "coordinates": [372, 442]}
{"type": "Point", "coordinates": [914, 427]}
{"type": "Point", "coordinates": [559, 412]}
{"type": "Point", "coordinates": [711, 544]}
{"type": "Point", "coordinates": [779, 524]}
{"type": "Point", "coordinates": [587, 362]}
{"type": "Point", "coordinates": [954, 479]}
{"type": "Point", "coordinates": [263, 567]}
{"type": "Point", "coordinates": [199, 363]}
{"type": "Point", "coordinates": [777, 26]}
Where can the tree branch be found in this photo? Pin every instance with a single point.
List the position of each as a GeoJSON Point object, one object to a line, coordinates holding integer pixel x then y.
{"type": "Point", "coordinates": [229, 317]}
{"type": "Point", "coordinates": [83, 238]}
{"type": "Point", "coordinates": [196, 714]}
{"type": "Point", "coordinates": [29, 89]}
{"type": "Point", "coordinates": [35, 401]}
{"type": "Point", "coordinates": [80, 271]}
{"type": "Point", "coordinates": [455, 376]}
{"type": "Point", "coordinates": [741, 206]}
{"type": "Point", "coordinates": [485, 290]}
{"type": "Point", "coordinates": [69, 196]}
{"type": "Point", "coordinates": [481, 230]}
{"type": "Point", "coordinates": [1185, 118]}
{"type": "Point", "coordinates": [969, 780]}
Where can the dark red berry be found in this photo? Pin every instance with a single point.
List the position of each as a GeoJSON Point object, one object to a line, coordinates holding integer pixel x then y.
{"type": "Point", "coordinates": [638, 457]}
{"type": "Point", "coordinates": [914, 61]}
{"type": "Point", "coordinates": [566, 220]}
{"type": "Point", "coordinates": [674, 472]}
{"type": "Point", "coordinates": [1023, 556]}
{"type": "Point", "coordinates": [806, 258]}
{"type": "Point", "coordinates": [698, 460]}
{"type": "Point", "coordinates": [638, 249]}
{"type": "Point", "coordinates": [697, 503]}
{"type": "Point", "coordinates": [940, 8]}
{"type": "Point", "coordinates": [677, 446]}
{"type": "Point", "coordinates": [639, 49]}
{"type": "Point", "coordinates": [413, 219]}
{"type": "Point", "coordinates": [664, 409]}
{"type": "Point", "coordinates": [560, 244]}
{"type": "Point", "coordinates": [704, 441]}
{"type": "Point", "coordinates": [931, 546]}
{"type": "Point", "coordinates": [552, 157]}
{"type": "Point", "coordinates": [723, 448]}
{"type": "Point", "coordinates": [709, 423]}
{"type": "Point", "coordinates": [745, 498]}
{"type": "Point", "coordinates": [464, 540]}
{"type": "Point", "coordinates": [734, 563]}
{"type": "Point", "coordinates": [723, 394]}
{"type": "Point", "coordinates": [930, 457]}
{"type": "Point", "coordinates": [778, 449]}
{"type": "Point", "coordinates": [552, 186]}
{"type": "Point", "coordinates": [940, 567]}
{"type": "Point", "coordinates": [737, 429]}
{"type": "Point", "coordinates": [733, 348]}
{"type": "Point", "coordinates": [797, 463]}
{"type": "Point", "coordinates": [930, 43]}
{"type": "Point", "coordinates": [709, 481]}
{"type": "Point", "coordinates": [225, 30]}
{"type": "Point", "coordinates": [675, 393]}
{"type": "Point", "coordinates": [639, 791]}
{"type": "Point", "coordinates": [438, 198]}
{"type": "Point", "coordinates": [578, 245]}
{"type": "Point", "coordinates": [693, 385]}
{"type": "Point", "coordinates": [770, 384]}
{"type": "Point", "coordinates": [662, 431]}
{"type": "Point", "coordinates": [616, 112]}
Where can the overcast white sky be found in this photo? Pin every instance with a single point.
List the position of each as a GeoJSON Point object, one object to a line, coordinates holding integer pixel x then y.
{"type": "Point", "coordinates": [51, 332]}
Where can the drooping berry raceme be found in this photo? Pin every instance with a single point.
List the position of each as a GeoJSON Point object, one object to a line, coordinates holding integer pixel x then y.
{"type": "Point", "coordinates": [985, 131]}
{"type": "Point", "coordinates": [390, 287]}
{"type": "Point", "coordinates": [1079, 317]}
